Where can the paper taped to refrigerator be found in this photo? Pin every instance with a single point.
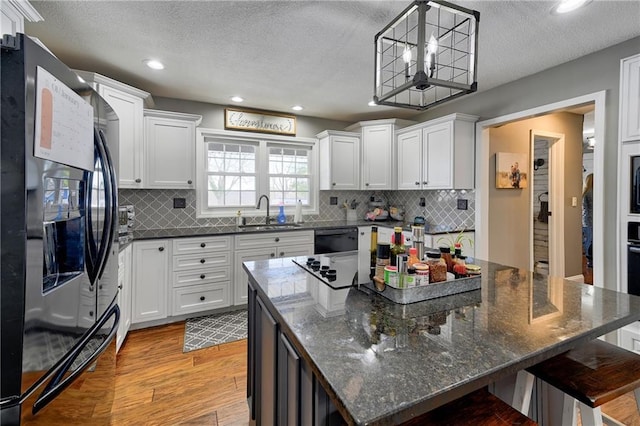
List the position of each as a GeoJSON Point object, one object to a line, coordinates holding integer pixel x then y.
{"type": "Point", "coordinates": [64, 123]}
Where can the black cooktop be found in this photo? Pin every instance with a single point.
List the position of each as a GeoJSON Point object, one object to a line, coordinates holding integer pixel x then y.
{"type": "Point", "coordinates": [345, 265]}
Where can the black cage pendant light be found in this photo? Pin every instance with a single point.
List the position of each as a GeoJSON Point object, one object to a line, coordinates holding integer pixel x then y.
{"type": "Point", "coordinates": [426, 56]}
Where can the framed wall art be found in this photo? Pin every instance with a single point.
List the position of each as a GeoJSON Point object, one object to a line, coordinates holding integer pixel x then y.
{"type": "Point", "coordinates": [512, 171]}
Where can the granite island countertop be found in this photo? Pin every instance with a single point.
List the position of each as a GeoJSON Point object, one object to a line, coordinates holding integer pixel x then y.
{"type": "Point", "coordinates": [382, 363]}
{"type": "Point", "coordinates": [150, 234]}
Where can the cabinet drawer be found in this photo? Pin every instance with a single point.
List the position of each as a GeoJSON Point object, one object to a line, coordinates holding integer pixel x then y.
{"type": "Point", "coordinates": [201, 276]}
{"type": "Point", "coordinates": [198, 298]}
{"type": "Point", "coordinates": [271, 239]}
{"type": "Point", "coordinates": [204, 260]}
{"type": "Point", "coordinates": [201, 244]}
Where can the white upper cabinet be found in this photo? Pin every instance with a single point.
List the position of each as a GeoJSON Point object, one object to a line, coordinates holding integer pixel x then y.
{"type": "Point", "coordinates": [128, 104]}
{"type": "Point", "coordinates": [13, 14]}
{"type": "Point", "coordinates": [378, 152]}
{"type": "Point", "coordinates": [169, 149]}
{"type": "Point", "coordinates": [339, 160]}
{"type": "Point", "coordinates": [438, 154]}
{"type": "Point", "coordinates": [630, 99]}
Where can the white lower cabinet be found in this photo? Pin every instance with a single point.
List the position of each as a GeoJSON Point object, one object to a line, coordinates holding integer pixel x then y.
{"type": "Point", "coordinates": [150, 280]}
{"type": "Point", "coordinates": [201, 278]}
{"type": "Point", "coordinates": [263, 247]}
{"type": "Point", "coordinates": [124, 295]}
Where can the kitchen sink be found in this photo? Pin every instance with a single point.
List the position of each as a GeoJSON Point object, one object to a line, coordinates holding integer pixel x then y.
{"type": "Point", "coordinates": [269, 227]}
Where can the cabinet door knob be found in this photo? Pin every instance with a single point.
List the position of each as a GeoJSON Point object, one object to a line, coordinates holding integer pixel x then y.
{"type": "Point", "coordinates": [277, 239]}
{"type": "Point", "coordinates": [366, 184]}
{"type": "Point", "coordinates": [281, 254]}
{"type": "Point", "coordinates": [202, 277]}
{"type": "Point", "coordinates": [160, 248]}
{"type": "Point", "coordinates": [203, 245]}
{"type": "Point", "coordinates": [273, 255]}
{"type": "Point", "coordinates": [120, 287]}
{"type": "Point", "coordinates": [362, 233]}
{"type": "Point", "coordinates": [189, 181]}
{"type": "Point", "coordinates": [334, 184]}
{"type": "Point", "coordinates": [138, 180]}
{"type": "Point", "coordinates": [202, 260]}
{"type": "Point", "coordinates": [202, 298]}
{"type": "Point", "coordinates": [417, 183]}
{"type": "Point", "coordinates": [425, 182]}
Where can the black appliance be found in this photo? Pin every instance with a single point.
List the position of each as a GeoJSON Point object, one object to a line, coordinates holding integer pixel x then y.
{"type": "Point", "coordinates": [633, 258]}
{"type": "Point", "coordinates": [335, 240]}
{"type": "Point", "coordinates": [635, 184]}
{"type": "Point", "coordinates": [58, 239]}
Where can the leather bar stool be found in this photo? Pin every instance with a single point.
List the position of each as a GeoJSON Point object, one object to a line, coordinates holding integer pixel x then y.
{"type": "Point", "coordinates": [479, 408]}
{"type": "Point", "coordinates": [589, 376]}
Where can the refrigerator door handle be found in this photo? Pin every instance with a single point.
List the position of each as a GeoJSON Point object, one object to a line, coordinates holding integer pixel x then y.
{"type": "Point", "coordinates": [57, 384]}
{"type": "Point", "coordinates": [113, 200]}
{"type": "Point", "coordinates": [106, 236]}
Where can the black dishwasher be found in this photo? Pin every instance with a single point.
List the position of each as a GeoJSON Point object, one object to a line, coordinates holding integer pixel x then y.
{"type": "Point", "coordinates": [335, 240]}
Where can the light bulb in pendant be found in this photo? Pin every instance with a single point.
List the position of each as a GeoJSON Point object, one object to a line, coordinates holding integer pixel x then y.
{"type": "Point", "coordinates": [432, 48]}
{"type": "Point", "coordinates": [406, 54]}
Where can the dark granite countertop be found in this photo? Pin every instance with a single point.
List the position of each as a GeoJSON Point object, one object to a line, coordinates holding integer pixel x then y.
{"type": "Point", "coordinates": [383, 363]}
{"type": "Point", "coordinates": [149, 234]}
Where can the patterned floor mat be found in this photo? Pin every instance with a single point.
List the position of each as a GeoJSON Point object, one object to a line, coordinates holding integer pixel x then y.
{"type": "Point", "coordinates": [212, 330]}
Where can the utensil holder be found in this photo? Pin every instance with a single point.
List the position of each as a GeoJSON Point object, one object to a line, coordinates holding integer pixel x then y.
{"type": "Point", "coordinates": [351, 215]}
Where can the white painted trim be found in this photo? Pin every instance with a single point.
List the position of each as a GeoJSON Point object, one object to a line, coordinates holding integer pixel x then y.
{"type": "Point", "coordinates": [173, 115]}
{"type": "Point", "coordinates": [556, 201]}
{"type": "Point", "coordinates": [482, 173]}
{"type": "Point", "coordinates": [27, 10]}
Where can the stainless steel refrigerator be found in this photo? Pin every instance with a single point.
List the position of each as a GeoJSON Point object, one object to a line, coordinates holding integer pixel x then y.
{"type": "Point", "coordinates": [58, 241]}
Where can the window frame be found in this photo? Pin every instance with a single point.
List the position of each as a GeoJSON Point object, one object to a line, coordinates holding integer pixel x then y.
{"type": "Point", "coordinates": [263, 141]}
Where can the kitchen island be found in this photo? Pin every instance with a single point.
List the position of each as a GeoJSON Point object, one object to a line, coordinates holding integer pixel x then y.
{"type": "Point", "coordinates": [318, 354]}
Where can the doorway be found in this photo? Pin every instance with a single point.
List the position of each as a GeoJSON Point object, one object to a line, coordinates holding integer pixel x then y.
{"type": "Point", "coordinates": [547, 209]}
{"type": "Point", "coordinates": [484, 177]}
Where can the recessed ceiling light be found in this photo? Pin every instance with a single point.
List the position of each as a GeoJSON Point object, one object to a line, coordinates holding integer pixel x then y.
{"type": "Point", "coordinates": [372, 103]}
{"type": "Point", "coordinates": [153, 64]}
{"type": "Point", "coordinates": [565, 6]}
{"type": "Point", "coordinates": [237, 99]}
{"type": "Point", "coordinates": [297, 108]}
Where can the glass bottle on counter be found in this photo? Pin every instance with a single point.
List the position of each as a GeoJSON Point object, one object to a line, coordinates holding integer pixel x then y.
{"type": "Point", "coordinates": [445, 253]}
{"type": "Point", "coordinates": [460, 267]}
{"type": "Point", "coordinates": [413, 257]}
{"type": "Point", "coordinates": [373, 249]}
{"type": "Point", "coordinates": [437, 267]}
{"type": "Point", "coordinates": [397, 245]}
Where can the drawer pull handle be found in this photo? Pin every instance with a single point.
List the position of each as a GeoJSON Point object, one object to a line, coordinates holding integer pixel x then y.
{"type": "Point", "coordinates": [277, 239]}
{"type": "Point", "coordinates": [189, 182]}
{"type": "Point", "coordinates": [203, 245]}
{"type": "Point", "coordinates": [202, 298]}
{"type": "Point", "coordinates": [160, 248]}
{"type": "Point", "coordinates": [417, 183]}
{"type": "Point", "coordinates": [202, 277]}
{"type": "Point", "coordinates": [202, 260]}
{"type": "Point", "coordinates": [138, 180]}
{"type": "Point", "coordinates": [273, 255]}
{"type": "Point", "coordinates": [281, 254]}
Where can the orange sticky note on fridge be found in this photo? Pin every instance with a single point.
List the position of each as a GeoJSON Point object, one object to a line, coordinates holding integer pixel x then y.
{"type": "Point", "coordinates": [46, 118]}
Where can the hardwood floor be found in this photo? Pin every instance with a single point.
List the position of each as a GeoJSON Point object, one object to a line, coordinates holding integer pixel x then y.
{"type": "Point", "coordinates": [158, 384]}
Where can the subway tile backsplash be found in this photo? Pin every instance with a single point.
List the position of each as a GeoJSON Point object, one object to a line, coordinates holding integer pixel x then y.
{"type": "Point", "coordinates": [154, 207]}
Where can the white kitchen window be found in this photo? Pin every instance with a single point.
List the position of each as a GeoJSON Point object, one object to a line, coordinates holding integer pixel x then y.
{"type": "Point", "coordinates": [234, 169]}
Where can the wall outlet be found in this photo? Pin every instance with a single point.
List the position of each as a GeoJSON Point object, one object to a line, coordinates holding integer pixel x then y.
{"type": "Point", "coordinates": [333, 201]}
{"type": "Point", "coordinates": [179, 203]}
{"type": "Point", "coordinates": [462, 204]}
{"type": "Point", "coordinates": [422, 202]}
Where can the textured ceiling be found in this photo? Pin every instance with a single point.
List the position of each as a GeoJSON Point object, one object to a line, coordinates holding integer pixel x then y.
{"type": "Point", "coordinates": [316, 54]}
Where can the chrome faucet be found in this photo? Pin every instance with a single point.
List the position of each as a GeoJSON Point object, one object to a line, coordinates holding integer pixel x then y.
{"type": "Point", "coordinates": [268, 219]}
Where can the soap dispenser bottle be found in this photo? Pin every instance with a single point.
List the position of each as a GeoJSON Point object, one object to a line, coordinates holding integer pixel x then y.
{"type": "Point", "coordinates": [281, 216]}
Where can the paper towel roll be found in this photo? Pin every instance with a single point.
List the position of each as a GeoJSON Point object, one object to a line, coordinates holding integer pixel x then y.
{"type": "Point", "coordinates": [297, 217]}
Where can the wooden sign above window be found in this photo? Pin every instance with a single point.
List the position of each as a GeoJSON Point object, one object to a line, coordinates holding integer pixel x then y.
{"type": "Point", "coordinates": [259, 121]}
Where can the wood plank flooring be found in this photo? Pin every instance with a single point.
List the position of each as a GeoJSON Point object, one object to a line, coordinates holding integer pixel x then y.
{"type": "Point", "coordinates": [157, 384]}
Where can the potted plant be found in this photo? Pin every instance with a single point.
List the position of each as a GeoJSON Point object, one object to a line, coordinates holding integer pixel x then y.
{"type": "Point", "coordinates": [455, 240]}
